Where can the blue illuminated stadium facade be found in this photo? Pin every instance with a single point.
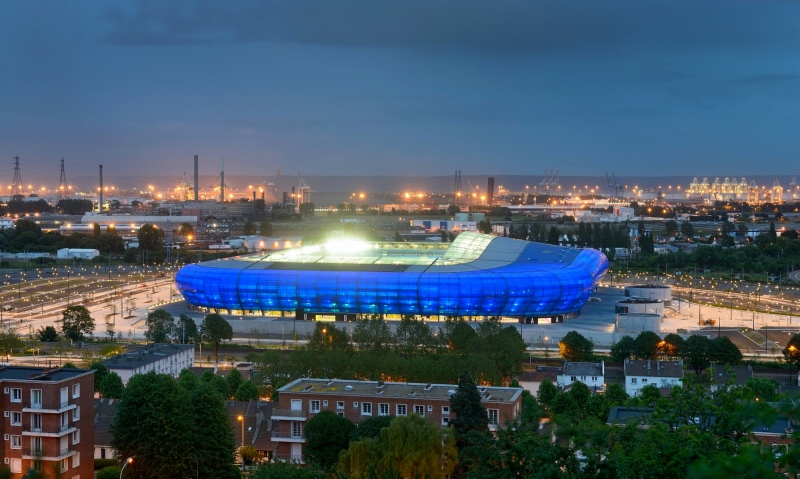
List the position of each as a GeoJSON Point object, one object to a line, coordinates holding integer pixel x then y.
{"type": "Point", "coordinates": [476, 275]}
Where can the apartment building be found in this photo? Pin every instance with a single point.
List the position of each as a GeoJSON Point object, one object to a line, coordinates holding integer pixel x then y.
{"type": "Point", "coordinates": [161, 358]}
{"type": "Point", "coordinates": [47, 421]}
{"type": "Point", "coordinates": [644, 372]}
{"type": "Point", "coordinates": [301, 399]}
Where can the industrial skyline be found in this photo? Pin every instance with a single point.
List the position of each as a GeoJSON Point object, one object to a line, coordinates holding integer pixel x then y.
{"type": "Point", "coordinates": [411, 88]}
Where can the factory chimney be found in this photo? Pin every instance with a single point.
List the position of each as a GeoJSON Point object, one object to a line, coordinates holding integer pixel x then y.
{"type": "Point", "coordinates": [490, 191]}
{"type": "Point", "coordinates": [222, 181]}
{"type": "Point", "coordinates": [196, 181]}
{"type": "Point", "coordinates": [100, 204]}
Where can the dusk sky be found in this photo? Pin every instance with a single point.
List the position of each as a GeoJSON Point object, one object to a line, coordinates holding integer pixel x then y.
{"type": "Point", "coordinates": [411, 87]}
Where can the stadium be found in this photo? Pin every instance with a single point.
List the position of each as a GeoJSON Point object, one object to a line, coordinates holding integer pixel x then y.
{"type": "Point", "coordinates": [475, 276]}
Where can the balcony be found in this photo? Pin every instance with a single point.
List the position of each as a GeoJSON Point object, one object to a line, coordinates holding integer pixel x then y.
{"type": "Point", "coordinates": [56, 408]}
{"type": "Point", "coordinates": [48, 453]}
{"type": "Point", "coordinates": [59, 431]}
{"type": "Point", "coordinates": [289, 415]}
{"type": "Point", "coordinates": [279, 436]}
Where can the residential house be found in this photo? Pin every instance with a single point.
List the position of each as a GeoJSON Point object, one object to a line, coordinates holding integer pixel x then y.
{"type": "Point", "coordinates": [301, 399]}
{"type": "Point", "coordinates": [43, 428]}
{"type": "Point", "coordinates": [641, 373]}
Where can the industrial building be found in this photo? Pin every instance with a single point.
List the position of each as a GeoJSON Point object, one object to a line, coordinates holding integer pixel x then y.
{"type": "Point", "coordinates": [475, 276]}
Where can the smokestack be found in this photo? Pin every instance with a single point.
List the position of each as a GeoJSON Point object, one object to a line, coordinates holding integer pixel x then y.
{"type": "Point", "coordinates": [100, 205]}
{"type": "Point", "coordinates": [490, 191]}
{"type": "Point", "coordinates": [196, 181]}
{"type": "Point", "coordinates": [222, 181]}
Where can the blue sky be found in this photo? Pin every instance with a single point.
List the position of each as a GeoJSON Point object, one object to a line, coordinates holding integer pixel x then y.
{"type": "Point", "coordinates": [407, 87]}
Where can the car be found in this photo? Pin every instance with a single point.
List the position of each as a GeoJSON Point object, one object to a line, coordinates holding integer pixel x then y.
{"type": "Point", "coordinates": [595, 299]}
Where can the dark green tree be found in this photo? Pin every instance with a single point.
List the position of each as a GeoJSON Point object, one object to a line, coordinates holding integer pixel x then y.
{"type": "Point", "coordinates": [546, 393]}
{"type": "Point", "coordinates": [186, 330]}
{"type": "Point", "coordinates": [154, 423]}
{"type": "Point", "coordinates": [646, 345]}
{"type": "Point", "coordinates": [327, 434]}
{"type": "Point", "coordinates": [468, 409]}
{"type": "Point", "coordinates": [150, 238]}
{"type": "Point", "coordinates": [249, 228]}
{"type": "Point", "coordinates": [160, 326]}
{"type": "Point", "coordinates": [622, 350]}
{"type": "Point", "coordinates": [100, 372]}
{"type": "Point", "coordinates": [372, 334]}
{"type": "Point", "coordinates": [687, 229]}
{"type": "Point", "coordinates": [214, 443]}
{"type": "Point", "coordinates": [791, 353]}
{"type": "Point", "coordinates": [460, 336]}
{"type": "Point", "coordinates": [247, 391]}
{"type": "Point", "coordinates": [616, 395]}
{"type": "Point", "coordinates": [696, 352]}
{"type": "Point", "coordinates": [213, 330]}
{"type": "Point", "coordinates": [576, 347]}
{"type": "Point", "coordinates": [234, 380]}
{"type": "Point", "coordinates": [370, 428]}
{"type": "Point", "coordinates": [672, 346]}
{"type": "Point", "coordinates": [188, 380]}
{"type": "Point", "coordinates": [723, 351]}
{"type": "Point", "coordinates": [76, 322]}
{"type": "Point", "coordinates": [328, 336]}
{"type": "Point", "coordinates": [111, 386]}
{"type": "Point", "coordinates": [47, 334]}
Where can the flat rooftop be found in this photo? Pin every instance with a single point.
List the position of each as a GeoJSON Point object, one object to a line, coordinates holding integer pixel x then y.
{"type": "Point", "coordinates": [25, 373]}
{"type": "Point", "coordinates": [394, 390]}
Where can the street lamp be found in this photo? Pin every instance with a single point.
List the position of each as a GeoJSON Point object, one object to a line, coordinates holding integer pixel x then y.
{"type": "Point", "coordinates": [241, 419]}
{"type": "Point", "coordinates": [127, 461]}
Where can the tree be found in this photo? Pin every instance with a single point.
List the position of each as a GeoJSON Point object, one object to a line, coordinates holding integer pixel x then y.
{"type": "Point", "coordinates": [186, 330]}
{"type": "Point", "coordinates": [370, 428]}
{"type": "Point", "coordinates": [249, 455]}
{"type": "Point", "coordinates": [546, 393]}
{"type": "Point", "coordinates": [575, 347]}
{"type": "Point", "coordinates": [214, 440]}
{"type": "Point", "coordinates": [186, 229]}
{"type": "Point", "coordinates": [672, 346]}
{"type": "Point", "coordinates": [247, 391]}
{"type": "Point", "coordinates": [76, 322]}
{"type": "Point", "coordinates": [553, 236]}
{"type": "Point", "coordinates": [111, 386]}
{"type": "Point", "coordinates": [791, 353]}
{"type": "Point", "coordinates": [372, 334]}
{"type": "Point", "coordinates": [687, 229]}
{"type": "Point", "coordinates": [414, 447]}
{"type": "Point", "coordinates": [413, 335]}
{"type": "Point", "coordinates": [100, 372]}
{"type": "Point", "coordinates": [327, 434]}
{"type": "Point", "coordinates": [459, 335]}
{"type": "Point", "coordinates": [9, 341]}
{"type": "Point", "coordinates": [616, 394]}
{"type": "Point", "coordinates": [249, 228]}
{"type": "Point", "coordinates": [188, 380]}
{"type": "Point", "coordinates": [150, 237]}
{"type": "Point", "coordinates": [265, 228]}
{"type": "Point", "coordinates": [468, 409]}
{"type": "Point", "coordinates": [154, 423]}
{"type": "Point", "coordinates": [484, 226]}
{"type": "Point", "coordinates": [696, 352]}
{"type": "Point", "coordinates": [213, 330]}
{"type": "Point", "coordinates": [328, 336]}
{"type": "Point", "coordinates": [160, 326]}
{"type": "Point", "coordinates": [723, 351]}
{"type": "Point", "coordinates": [47, 334]}
{"type": "Point", "coordinates": [623, 349]}
{"type": "Point", "coordinates": [234, 380]}
{"type": "Point", "coordinates": [646, 345]}
{"type": "Point", "coordinates": [69, 206]}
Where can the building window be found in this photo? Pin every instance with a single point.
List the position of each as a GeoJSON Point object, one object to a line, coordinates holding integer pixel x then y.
{"type": "Point", "coordinates": [76, 391]}
{"type": "Point", "coordinates": [572, 378]}
{"type": "Point", "coordinates": [383, 409]}
{"type": "Point", "coordinates": [325, 403]}
{"type": "Point", "coordinates": [36, 398]}
{"type": "Point", "coordinates": [402, 410]}
{"type": "Point", "coordinates": [445, 421]}
{"type": "Point", "coordinates": [594, 378]}
{"type": "Point", "coordinates": [76, 413]}
{"type": "Point", "coordinates": [16, 465]}
{"type": "Point", "coordinates": [64, 465]}
{"type": "Point", "coordinates": [339, 404]}
{"type": "Point", "coordinates": [420, 410]}
{"type": "Point", "coordinates": [445, 410]}
{"type": "Point", "coordinates": [76, 459]}
{"type": "Point", "coordinates": [76, 436]}
{"type": "Point", "coordinates": [16, 418]}
{"type": "Point", "coordinates": [366, 409]}
{"type": "Point", "coordinates": [16, 395]}
{"type": "Point", "coordinates": [16, 442]}
{"type": "Point", "coordinates": [36, 422]}
{"type": "Point", "coordinates": [355, 405]}
{"type": "Point", "coordinates": [297, 429]}
{"type": "Point", "coordinates": [644, 380]}
{"type": "Point", "coordinates": [583, 378]}
{"type": "Point", "coordinates": [633, 381]}
{"type": "Point", "coordinates": [340, 413]}
{"type": "Point", "coordinates": [313, 405]}
{"type": "Point", "coordinates": [494, 416]}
